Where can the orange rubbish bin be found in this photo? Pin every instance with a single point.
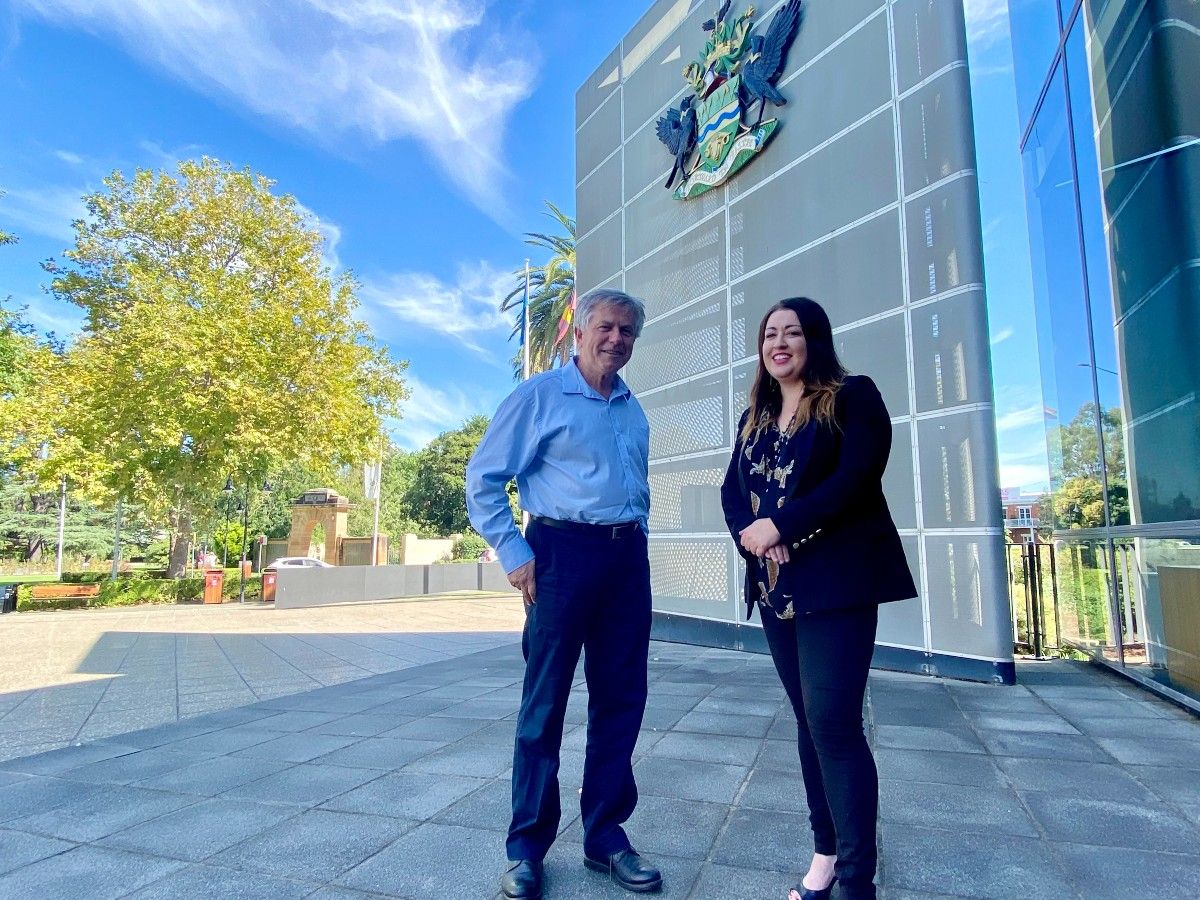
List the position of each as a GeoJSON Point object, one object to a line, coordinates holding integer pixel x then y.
{"type": "Point", "coordinates": [268, 585]}
{"type": "Point", "coordinates": [214, 579]}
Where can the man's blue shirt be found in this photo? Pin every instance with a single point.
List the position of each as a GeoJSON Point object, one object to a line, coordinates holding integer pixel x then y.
{"type": "Point", "coordinates": [575, 455]}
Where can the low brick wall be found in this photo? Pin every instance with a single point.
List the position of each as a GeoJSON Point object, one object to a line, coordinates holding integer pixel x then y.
{"type": "Point", "coordinates": [298, 588]}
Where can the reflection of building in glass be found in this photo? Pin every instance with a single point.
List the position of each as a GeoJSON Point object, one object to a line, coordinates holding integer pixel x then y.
{"type": "Point", "coordinates": [1109, 93]}
{"type": "Point", "coordinates": [1022, 515]}
{"type": "Point", "coordinates": [866, 199]}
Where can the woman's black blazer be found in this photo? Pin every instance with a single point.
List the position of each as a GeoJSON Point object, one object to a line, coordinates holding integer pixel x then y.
{"type": "Point", "coordinates": [843, 544]}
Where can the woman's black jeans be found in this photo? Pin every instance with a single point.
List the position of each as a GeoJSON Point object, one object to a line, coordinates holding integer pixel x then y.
{"type": "Point", "coordinates": [823, 659]}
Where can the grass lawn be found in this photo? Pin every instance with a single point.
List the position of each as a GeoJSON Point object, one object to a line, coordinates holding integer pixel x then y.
{"type": "Point", "coordinates": [25, 579]}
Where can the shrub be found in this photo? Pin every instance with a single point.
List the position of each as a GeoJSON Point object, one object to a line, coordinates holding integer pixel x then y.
{"type": "Point", "coordinates": [469, 546]}
{"type": "Point", "coordinates": [140, 587]}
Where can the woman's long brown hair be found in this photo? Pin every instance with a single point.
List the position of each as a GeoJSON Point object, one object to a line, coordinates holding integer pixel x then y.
{"type": "Point", "coordinates": [823, 372]}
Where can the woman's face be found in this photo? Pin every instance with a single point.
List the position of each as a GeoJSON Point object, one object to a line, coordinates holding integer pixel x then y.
{"type": "Point", "coordinates": [784, 350]}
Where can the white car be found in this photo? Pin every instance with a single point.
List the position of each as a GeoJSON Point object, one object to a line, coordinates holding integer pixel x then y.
{"type": "Point", "coordinates": [299, 562]}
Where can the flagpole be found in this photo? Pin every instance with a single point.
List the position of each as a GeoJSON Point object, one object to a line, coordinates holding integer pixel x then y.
{"type": "Point", "coordinates": [378, 480]}
{"type": "Point", "coordinates": [525, 328]}
{"type": "Point", "coordinates": [525, 359]}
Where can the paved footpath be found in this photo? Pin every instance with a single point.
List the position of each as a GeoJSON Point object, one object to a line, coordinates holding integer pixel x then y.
{"type": "Point", "coordinates": [80, 675]}
{"type": "Point", "coordinates": [1072, 785]}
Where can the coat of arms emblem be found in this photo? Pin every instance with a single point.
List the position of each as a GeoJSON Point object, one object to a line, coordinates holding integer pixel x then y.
{"type": "Point", "coordinates": [709, 134]}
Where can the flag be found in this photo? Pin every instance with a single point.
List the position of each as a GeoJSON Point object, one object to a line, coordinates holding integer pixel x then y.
{"type": "Point", "coordinates": [372, 475]}
{"type": "Point", "coordinates": [564, 325]}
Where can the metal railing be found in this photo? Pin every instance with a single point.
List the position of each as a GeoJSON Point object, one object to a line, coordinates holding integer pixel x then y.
{"type": "Point", "coordinates": [1032, 576]}
{"type": "Point", "coordinates": [1038, 576]}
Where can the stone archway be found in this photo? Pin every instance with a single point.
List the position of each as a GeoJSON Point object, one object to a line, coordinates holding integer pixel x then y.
{"type": "Point", "coordinates": [322, 507]}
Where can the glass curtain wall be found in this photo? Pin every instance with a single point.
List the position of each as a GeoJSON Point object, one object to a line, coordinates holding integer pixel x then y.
{"type": "Point", "coordinates": [1108, 92]}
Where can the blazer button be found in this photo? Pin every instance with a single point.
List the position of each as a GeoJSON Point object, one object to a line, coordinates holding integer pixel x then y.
{"type": "Point", "coordinates": [796, 546]}
{"type": "Point", "coordinates": [804, 540]}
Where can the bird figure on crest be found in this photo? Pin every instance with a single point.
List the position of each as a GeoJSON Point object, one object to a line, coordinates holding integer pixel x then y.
{"type": "Point", "coordinates": [677, 129]}
{"type": "Point", "coordinates": [711, 24]}
{"type": "Point", "coordinates": [764, 64]}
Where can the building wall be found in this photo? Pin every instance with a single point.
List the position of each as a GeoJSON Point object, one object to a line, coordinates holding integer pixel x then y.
{"type": "Point", "coordinates": [865, 200]}
{"type": "Point", "coordinates": [1110, 98]}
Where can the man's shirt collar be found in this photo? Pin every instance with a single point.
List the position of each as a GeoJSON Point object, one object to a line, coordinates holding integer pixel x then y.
{"type": "Point", "coordinates": [573, 382]}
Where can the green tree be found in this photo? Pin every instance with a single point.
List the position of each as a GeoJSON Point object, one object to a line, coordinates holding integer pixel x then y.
{"type": "Point", "coordinates": [437, 496]}
{"type": "Point", "coordinates": [29, 524]}
{"type": "Point", "coordinates": [1079, 500]}
{"type": "Point", "coordinates": [5, 237]}
{"type": "Point", "coordinates": [1079, 449]}
{"type": "Point", "coordinates": [551, 296]}
{"type": "Point", "coordinates": [215, 341]}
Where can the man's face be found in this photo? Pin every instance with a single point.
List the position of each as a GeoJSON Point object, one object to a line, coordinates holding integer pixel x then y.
{"type": "Point", "coordinates": [606, 344]}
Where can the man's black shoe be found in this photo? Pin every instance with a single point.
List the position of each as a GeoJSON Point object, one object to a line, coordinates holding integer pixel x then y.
{"type": "Point", "coordinates": [629, 870]}
{"type": "Point", "coordinates": [523, 880]}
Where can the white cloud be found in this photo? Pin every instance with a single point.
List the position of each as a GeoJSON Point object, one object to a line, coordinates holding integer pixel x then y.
{"type": "Point", "coordinates": [46, 210]}
{"type": "Point", "coordinates": [330, 232]}
{"type": "Point", "coordinates": [429, 411]}
{"type": "Point", "coordinates": [47, 314]}
{"type": "Point", "coordinates": [380, 70]}
{"type": "Point", "coordinates": [1002, 335]}
{"type": "Point", "coordinates": [1033, 478]}
{"type": "Point", "coordinates": [73, 159]}
{"type": "Point", "coordinates": [464, 310]}
{"type": "Point", "coordinates": [168, 160]}
{"type": "Point", "coordinates": [1020, 418]}
{"type": "Point", "coordinates": [987, 21]}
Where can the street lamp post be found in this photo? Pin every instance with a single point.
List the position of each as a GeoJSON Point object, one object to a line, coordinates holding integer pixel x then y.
{"type": "Point", "coordinates": [266, 489]}
{"type": "Point", "coordinates": [228, 492]}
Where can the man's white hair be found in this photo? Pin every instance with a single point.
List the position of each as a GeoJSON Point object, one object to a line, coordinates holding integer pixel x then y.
{"type": "Point", "coordinates": [598, 297]}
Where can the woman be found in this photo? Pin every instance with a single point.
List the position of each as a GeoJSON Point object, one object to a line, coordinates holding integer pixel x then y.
{"type": "Point", "coordinates": [804, 501]}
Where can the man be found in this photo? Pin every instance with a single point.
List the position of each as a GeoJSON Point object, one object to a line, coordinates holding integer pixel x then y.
{"type": "Point", "coordinates": [577, 442]}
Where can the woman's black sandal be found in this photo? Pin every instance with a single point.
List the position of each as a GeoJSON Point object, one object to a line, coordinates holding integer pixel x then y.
{"type": "Point", "coordinates": [808, 894]}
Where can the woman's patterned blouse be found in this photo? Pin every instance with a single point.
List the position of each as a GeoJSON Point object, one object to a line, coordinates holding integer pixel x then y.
{"type": "Point", "coordinates": [770, 464]}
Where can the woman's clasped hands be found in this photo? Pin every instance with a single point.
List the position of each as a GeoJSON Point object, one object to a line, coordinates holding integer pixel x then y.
{"type": "Point", "coordinates": [763, 539]}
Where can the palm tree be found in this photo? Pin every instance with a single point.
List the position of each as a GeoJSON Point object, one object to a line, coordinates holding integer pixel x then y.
{"type": "Point", "coordinates": [551, 297]}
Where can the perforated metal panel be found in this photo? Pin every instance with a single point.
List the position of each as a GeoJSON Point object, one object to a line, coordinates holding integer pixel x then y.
{"type": "Point", "coordinates": [700, 328]}
{"type": "Point", "coordinates": [688, 418]}
{"type": "Point", "coordinates": [690, 575]}
{"type": "Point", "coordinates": [690, 267]}
{"type": "Point", "coordinates": [685, 496]}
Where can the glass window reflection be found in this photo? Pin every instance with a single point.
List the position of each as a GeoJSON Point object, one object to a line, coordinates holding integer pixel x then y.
{"type": "Point", "coordinates": [1035, 29]}
{"type": "Point", "coordinates": [1103, 350]}
{"type": "Point", "coordinates": [1062, 316]}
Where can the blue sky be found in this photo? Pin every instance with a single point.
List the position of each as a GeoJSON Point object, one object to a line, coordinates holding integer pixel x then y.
{"type": "Point", "coordinates": [422, 134]}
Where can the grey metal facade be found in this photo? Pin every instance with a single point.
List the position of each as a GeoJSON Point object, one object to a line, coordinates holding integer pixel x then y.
{"type": "Point", "coordinates": [867, 201]}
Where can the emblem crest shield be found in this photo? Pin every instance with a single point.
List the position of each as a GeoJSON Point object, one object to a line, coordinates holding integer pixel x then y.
{"type": "Point", "coordinates": [714, 133]}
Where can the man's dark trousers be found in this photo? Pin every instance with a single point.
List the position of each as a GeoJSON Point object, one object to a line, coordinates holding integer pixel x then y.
{"type": "Point", "coordinates": [593, 594]}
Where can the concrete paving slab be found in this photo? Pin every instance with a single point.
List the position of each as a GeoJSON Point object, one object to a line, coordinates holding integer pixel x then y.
{"type": "Point", "coordinates": [18, 849]}
{"type": "Point", "coordinates": [195, 881]}
{"type": "Point", "coordinates": [319, 845]}
{"type": "Point", "coordinates": [1065, 777]}
{"type": "Point", "coordinates": [1108, 823]}
{"type": "Point", "coordinates": [765, 839]}
{"type": "Point", "coordinates": [418, 865]}
{"type": "Point", "coordinates": [937, 767]}
{"type": "Point", "coordinates": [99, 813]}
{"type": "Point", "coordinates": [959, 864]}
{"type": "Point", "coordinates": [302, 785]}
{"type": "Point", "coordinates": [196, 832]}
{"type": "Point", "coordinates": [85, 873]}
{"type": "Point", "coordinates": [82, 675]}
{"type": "Point", "coordinates": [717, 829]}
{"type": "Point", "coordinates": [1100, 874]}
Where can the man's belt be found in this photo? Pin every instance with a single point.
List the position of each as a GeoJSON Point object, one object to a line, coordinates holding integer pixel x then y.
{"type": "Point", "coordinates": [615, 532]}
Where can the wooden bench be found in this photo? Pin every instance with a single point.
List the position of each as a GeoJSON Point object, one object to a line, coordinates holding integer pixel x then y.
{"type": "Point", "coordinates": [64, 596]}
